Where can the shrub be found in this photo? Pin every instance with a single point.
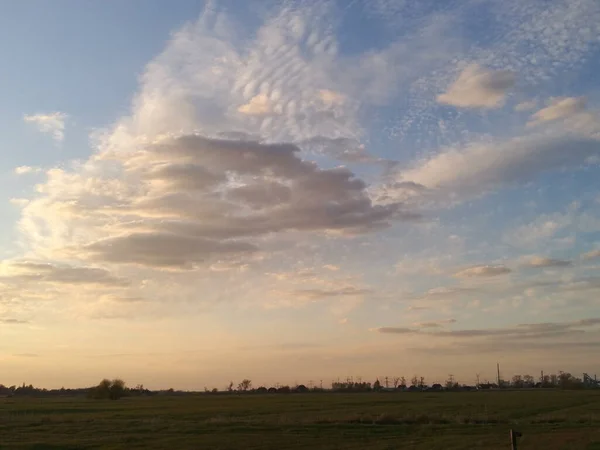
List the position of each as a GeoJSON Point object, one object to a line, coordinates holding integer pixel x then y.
{"type": "Point", "coordinates": [107, 389]}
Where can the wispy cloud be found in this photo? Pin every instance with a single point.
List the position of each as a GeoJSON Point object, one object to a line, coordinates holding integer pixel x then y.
{"type": "Point", "coordinates": [593, 254]}
{"type": "Point", "coordinates": [477, 87]}
{"type": "Point", "coordinates": [13, 321]}
{"type": "Point", "coordinates": [522, 331]}
{"type": "Point", "coordinates": [559, 108]}
{"type": "Point", "coordinates": [541, 262]}
{"type": "Point", "coordinates": [50, 123]}
{"type": "Point", "coordinates": [31, 271]}
{"type": "Point", "coordinates": [526, 105]}
{"type": "Point", "coordinates": [484, 167]}
{"type": "Point", "coordinates": [483, 271]}
{"type": "Point", "coordinates": [22, 170]}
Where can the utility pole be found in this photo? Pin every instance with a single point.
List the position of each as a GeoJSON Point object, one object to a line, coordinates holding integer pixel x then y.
{"type": "Point", "coordinates": [477, 375]}
{"type": "Point", "coordinates": [498, 369]}
{"type": "Point", "coordinates": [386, 383]}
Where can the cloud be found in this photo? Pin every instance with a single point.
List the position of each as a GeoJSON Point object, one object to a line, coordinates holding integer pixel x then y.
{"type": "Point", "coordinates": [394, 330]}
{"type": "Point", "coordinates": [50, 123]}
{"type": "Point", "coordinates": [344, 149]}
{"type": "Point", "coordinates": [258, 105]}
{"type": "Point", "coordinates": [482, 167]}
{"type": "Point", "coordinates": [21, 202]}
{"type": "Point", "coordinates": [559, 108]}
{"type": "Point", "coordinates": [183, 200]}
{"type": "Point", "coordinates": [434, 324]}
{"type": "Point", "coordinates": [541, 262]}
{"type": "Point", "coordinates": [28, 271]}
{"type": "Point", "coordinates": [22, 170]}
{"type": "Point", "coordinates": [161, 249]}
{"type": "Point", "coordinates": [541, 229]}
{"type": "Point", "coordinates": [591, 254]}
{"type": "Point", "coordinates": [331, 267]}
{"type": "Point", "coordinates": [477, 87]}
{"type": "Point", "coordinates": [210, 169]}
{"type": "Point", "coordinates": [483, 271]}
{"type": "Point", "coordinates": [445, 292]}
{"type": "Point", "coordinates": [521, 331]}
{"type": "Point", "coordinates": [526, 105]}
{"type": "Point", "coordinates": [331, 98]}
{"type": "Point", "coordinates": [316, 294]}
{"type": "Point", "coordinates": [12, 321]}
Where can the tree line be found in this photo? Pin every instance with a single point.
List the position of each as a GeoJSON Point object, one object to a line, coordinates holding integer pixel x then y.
{"type": "Point", "coordinates": [116, 388]}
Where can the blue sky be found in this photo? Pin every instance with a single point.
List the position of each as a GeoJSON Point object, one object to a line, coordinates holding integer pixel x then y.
{"type": "Point", "coordinates": [312, 185]}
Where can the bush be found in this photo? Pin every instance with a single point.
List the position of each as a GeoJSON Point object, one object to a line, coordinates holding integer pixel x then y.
{"type": "Point", "coordinates": [107, 389]}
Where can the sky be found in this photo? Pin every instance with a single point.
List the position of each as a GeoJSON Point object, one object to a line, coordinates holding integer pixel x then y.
{"type": "Point", "coordinates": [289, 191]}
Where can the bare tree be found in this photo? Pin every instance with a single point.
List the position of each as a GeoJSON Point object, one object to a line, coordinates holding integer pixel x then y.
{"type": "Point", "coordinates": [517, 381]}
{"type": "Point", "coordinates": [245, 385]}
{"type": "Point", "coordinates": [402, 382]}
{"type": "Point", "coordinates": [396, 380]}
{"type": "Point", "coordinates": [230, 387]}
{"type": "Point", "coordinates": [422, 382]}
{"type": "Point", "coordinates": [414, 381]}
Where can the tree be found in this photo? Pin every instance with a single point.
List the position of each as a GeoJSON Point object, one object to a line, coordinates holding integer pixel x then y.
{"type": "Point", "coordinates": [517, 381]}
{"type": "Point", "coordinates": [422, 384]}
{"type": "Point", "coordinates": [244, 385]}
{"type": "Point", "coordinates": [377, 385]}
{"type": "Point", "coordinates": [117, 389]}
{"type": "Point", "coordinates": [107, 389]}
{"type": "Point", "coordinates": [414, 381]}
{"type": "Point", "coordinates": [230, 387]}
{"type": "Point", "coordinates": [451, 383]}
{"type": "Point", "coordinates": [402, 382]}
{"type": "Point", "coordinates": [396, 380]}
{"type": "Point", "coordinates": [528, 381]}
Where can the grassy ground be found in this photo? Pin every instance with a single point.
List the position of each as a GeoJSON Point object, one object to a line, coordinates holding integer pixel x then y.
{"type": "Point", "coordinates": [470, 420]}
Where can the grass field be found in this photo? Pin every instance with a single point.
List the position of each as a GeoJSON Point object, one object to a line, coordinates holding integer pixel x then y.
{"type": "Point", "coordinates": [469, 420]}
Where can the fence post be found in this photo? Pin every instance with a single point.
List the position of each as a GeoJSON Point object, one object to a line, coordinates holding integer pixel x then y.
{"type": "Point", "coordinates": [514, 435]}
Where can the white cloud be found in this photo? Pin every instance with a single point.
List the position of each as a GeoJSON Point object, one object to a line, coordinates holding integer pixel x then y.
{"type": "Point", "coordinates": [50, 123]}
{"type": "Point", "coordinates": [559, 108]}
{"type": "Point", "coordinates": [557, 229]}
{"type": "Point", "coordinates": [526, 106]}
{"type": "Point", "coordinates": [22, 170]}
{"type": "Point", "coordinates": [459, 173]}
{"type": "Point", "coordinates": [483, 271]}
{"type": "Point", "coordinates": [477, 87]}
